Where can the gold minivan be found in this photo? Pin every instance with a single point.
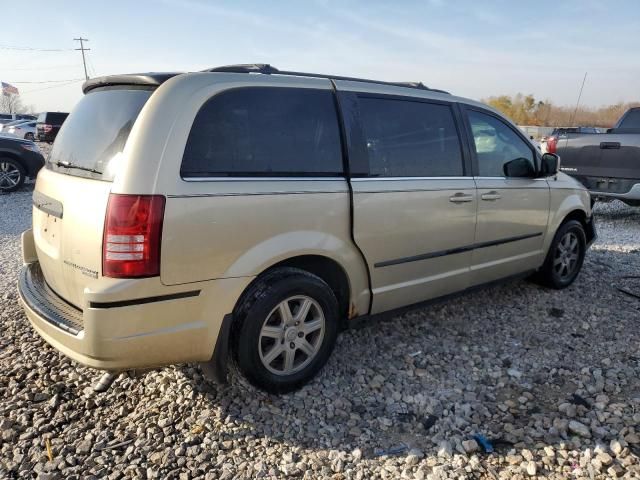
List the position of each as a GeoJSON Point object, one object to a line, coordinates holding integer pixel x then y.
{"type": "Point", "coordinates": [248, 214]}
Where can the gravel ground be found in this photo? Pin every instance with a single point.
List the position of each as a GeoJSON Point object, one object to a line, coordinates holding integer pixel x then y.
{"type": "Point", "coordinates": [552, 378]}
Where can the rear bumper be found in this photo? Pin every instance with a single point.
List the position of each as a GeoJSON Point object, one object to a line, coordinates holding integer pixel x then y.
{"type": "Point", "coordinates": [633, 194]}
{"type": "Point", "coordinates": [124, 335]}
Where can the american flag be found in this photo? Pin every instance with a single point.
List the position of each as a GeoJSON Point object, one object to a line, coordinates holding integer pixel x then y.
{"type": "Point", "coordinates": [8, 89]}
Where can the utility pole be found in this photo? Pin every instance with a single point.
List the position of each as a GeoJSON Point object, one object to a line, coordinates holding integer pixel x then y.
{"type": "Point", "coordinates": [82, 49]}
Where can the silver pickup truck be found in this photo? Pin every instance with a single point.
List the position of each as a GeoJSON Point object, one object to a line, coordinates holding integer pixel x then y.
{"type": "Point", "coordinates": [607, 164]}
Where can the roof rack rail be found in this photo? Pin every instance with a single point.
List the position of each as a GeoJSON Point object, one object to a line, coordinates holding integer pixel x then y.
{"type": "Point", "coordinates": [266, 69]}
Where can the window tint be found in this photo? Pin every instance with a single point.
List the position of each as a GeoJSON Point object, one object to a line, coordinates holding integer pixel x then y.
{"type": "Point", "coordinates": [631, 120]}
{"type": "Point", "coordinates": [57, 118]}
{"type": "Point", "coordinates": [496, 144]}
{"type": "Point", "coordinates": [53, 118]}
{"type": "Point", "coordinates": [410, 139]}
{"type": "Point", "coordinates": [266, 131]}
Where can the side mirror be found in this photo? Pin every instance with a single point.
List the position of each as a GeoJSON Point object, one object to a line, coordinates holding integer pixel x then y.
{"type": "Point", "coordinates": [550, 164]}
{"type": "Point", "coordinates": [519, 167]}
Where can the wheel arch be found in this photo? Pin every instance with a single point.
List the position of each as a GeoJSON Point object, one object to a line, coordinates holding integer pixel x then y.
{"type": "Point", "coordinates": [569, 205]}
{"type": "Point", "coordinates": [580, 216]}
{"type": "Point", "coordinates": [324, 267]}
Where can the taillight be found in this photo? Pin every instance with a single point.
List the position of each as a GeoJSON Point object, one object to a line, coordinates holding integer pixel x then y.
{"type": "Point", "coordinates": [132, 236]}
{"type": "Point", "coordinates": [47, 128]}
{"type": "Point", "coordinates": [552, 144]}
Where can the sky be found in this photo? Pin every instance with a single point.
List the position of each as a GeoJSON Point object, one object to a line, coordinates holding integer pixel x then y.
{"type": "Point", "coordinates": [473, 49]}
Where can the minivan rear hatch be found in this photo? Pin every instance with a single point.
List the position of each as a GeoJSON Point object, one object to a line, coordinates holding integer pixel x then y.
{"type": "Point", "coordinates": [72, 191]}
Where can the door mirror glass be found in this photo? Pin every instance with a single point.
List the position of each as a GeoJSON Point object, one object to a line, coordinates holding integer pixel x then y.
{"type": "Point", "coordinates": [550, 164]}
{"type": "Point", "coordinates": [519, 167]}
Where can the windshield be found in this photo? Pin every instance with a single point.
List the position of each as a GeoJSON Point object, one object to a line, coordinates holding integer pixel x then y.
{"type": "Point", "coordinates": [94, 135]}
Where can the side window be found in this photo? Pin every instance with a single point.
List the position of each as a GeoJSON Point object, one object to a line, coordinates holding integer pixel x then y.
{"type": "Point", "coordinates": [265, 131]}
{"type": "Point", "coordinates": [410, 138]}
{"type": "Point", "coordinates": [497, 145]}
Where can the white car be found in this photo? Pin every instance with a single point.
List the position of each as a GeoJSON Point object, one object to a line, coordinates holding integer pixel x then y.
{"type": "Point", "coordinates": [5, 127]}
{"type": "Point", "coordinates": [26, 130]}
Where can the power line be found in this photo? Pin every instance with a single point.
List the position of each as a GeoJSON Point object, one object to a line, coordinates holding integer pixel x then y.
{"type": "Point", "coordinates": [33, 49]}
{"type": "Point", "coordinates": [53, 81]}
{"type": "Point", "coordinates": [82, 49]}
{"type": "Point", "coordinates": [54, 86]}
{"type": "Point", "coordinates": [50, 67]}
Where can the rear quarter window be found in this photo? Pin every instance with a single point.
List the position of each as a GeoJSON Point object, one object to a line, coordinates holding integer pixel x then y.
{"type": "Point", "coordinates": [265, 131]}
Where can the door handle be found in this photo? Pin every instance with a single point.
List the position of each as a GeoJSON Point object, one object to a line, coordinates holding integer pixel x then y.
{"type": "Point", "coordinates": [610, 145]}
{"type": "Point", "coordinates": [461, 198]}
{"type": "Point", "coordinates": [491, 196]}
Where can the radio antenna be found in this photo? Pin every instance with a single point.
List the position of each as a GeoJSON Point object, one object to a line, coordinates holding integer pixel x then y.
{"type": "Point", "coordinates": [575, 111]}
{"type": "Point", "coordinates": [578, 102]}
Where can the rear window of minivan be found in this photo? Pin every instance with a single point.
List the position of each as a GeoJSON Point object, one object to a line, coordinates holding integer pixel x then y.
{"type": "Point", "coordinates": [93, 136]}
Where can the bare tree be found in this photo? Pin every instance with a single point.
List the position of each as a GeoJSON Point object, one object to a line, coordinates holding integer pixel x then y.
{"type": "Point", "coordinates": [11, 104]}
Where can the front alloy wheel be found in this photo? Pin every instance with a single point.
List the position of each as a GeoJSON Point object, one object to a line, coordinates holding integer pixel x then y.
{"type": "Point", "coordinates": [566, 256]}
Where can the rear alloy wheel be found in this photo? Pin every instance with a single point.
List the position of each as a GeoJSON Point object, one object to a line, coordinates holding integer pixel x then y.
{"type": "Point", "coordinates": [12, 175]}
{"type": "Point", "coordinates": [292, 335]}
{"type": "Point", "coordinates": [287, 324]}
{"type": "Point", "coordinates": [565, 257]}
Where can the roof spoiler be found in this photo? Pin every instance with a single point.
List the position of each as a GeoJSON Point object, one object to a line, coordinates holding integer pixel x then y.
{"type": "Point", "coordinates": [140, 79]}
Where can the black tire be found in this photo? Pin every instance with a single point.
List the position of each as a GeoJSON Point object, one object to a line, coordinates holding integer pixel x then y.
{"type": "Point", "coordinates": [557, 271]}
{"type": "Point", "coordinates": [12, 175]}
{"type": "Point", "coordinates": [29, 136]}
{"type": "Point", "coordinates": [257, 308]}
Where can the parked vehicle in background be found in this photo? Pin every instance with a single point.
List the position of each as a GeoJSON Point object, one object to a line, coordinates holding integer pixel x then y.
{"type": "Point", "coordinates": [9, 117]}
{"type": "Point", "coordinates": [608, 164]}
{"type": "Point", "coordinates": [5, 127]}
{"type": "Point", "coordinates": [48, 125]}
{"type": "Point", "coordinates": [19, 160]}
{"type": "Point", "coordinates": [548, 144]}
{"type": "Point", "coordinates": [26, 130]}
{"type": "Point", "coordinates": [251, 213]}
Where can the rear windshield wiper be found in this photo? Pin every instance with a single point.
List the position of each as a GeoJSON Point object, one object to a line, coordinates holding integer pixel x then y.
{"type": "Point", "coordinates": [74, 165]}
